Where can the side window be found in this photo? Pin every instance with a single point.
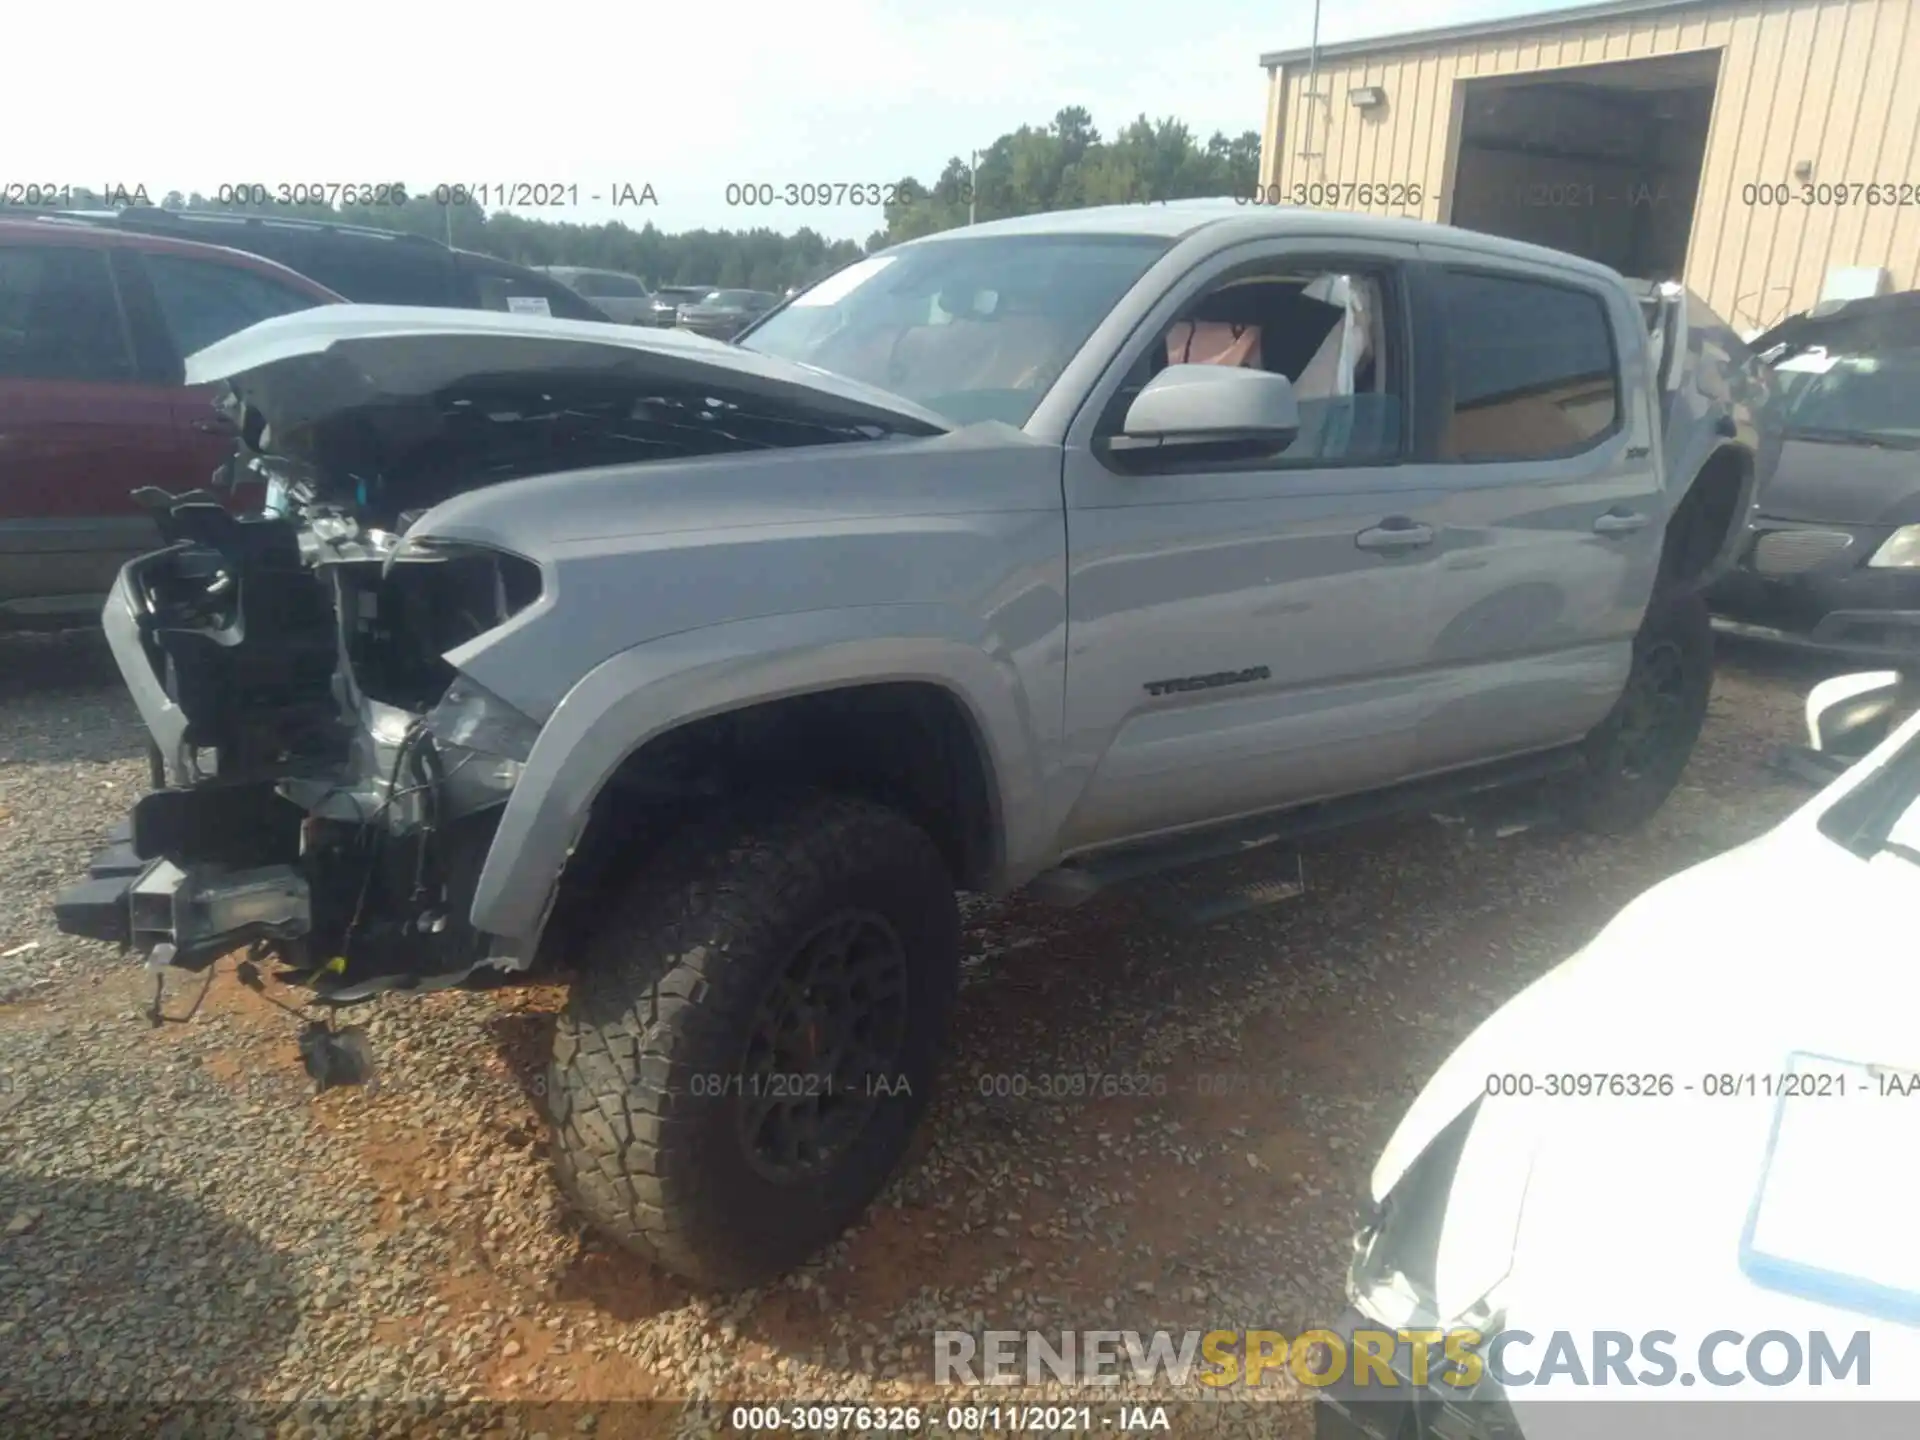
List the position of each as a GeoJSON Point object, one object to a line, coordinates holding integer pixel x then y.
{"type": "Point", "coordinates": [202, 302]}
{"type": "Point", "coordinates": [1533, 367]}
{"type": "Point", "coordinates": [59, 316]}
{"type": "Point", "coordinates": [377, 271]}
{"type": "Point", "coordinates": [511, 288]}
{"type": "Point", "coordinates": [1331, 331]}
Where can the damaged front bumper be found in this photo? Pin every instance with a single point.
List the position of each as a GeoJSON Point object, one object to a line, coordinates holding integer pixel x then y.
{"type": "Point", "coordinates": [323, 681]}
{"type": "Point", "coordinates": [293, 810]}
{"type": "Point", "coordinates": [181, 918]}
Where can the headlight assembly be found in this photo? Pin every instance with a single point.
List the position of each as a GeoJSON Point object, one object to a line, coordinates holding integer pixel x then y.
{"type": "Point", "coordinates": [471, 717]}
{"type": "Point", "coordinates": [1899, 551]}
{"type": "Point", "coordinates": [1397, 1251]}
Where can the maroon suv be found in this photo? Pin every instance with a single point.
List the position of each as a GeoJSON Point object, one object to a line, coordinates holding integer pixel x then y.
{"type": "Point", "coordinates": [94, 326]}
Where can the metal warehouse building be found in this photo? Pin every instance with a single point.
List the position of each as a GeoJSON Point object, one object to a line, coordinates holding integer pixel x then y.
{"type": "Point", "coordinates": [1752, 147]}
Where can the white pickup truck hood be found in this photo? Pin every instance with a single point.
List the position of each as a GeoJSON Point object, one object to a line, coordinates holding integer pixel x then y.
{"type": "Point", "coordinates": [303, 368]}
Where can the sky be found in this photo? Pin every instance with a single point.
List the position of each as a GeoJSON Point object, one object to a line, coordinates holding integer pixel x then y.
{"type": "Point", "coordinates": [597, 94]}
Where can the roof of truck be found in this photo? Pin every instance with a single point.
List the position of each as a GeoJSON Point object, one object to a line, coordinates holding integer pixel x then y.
{"type": "Point", "coordinates": [1238, 218]}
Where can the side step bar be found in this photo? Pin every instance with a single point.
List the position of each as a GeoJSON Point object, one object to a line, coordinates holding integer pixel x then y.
{"type": "Point", "coordinates": [1228, 904]}
{"type": "Point", "coordinates": [1077, 881]}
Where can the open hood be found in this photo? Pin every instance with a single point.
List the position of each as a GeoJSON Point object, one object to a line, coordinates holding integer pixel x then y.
{"type": "Point", "coordinates": [377, 412]}
{"type": "Point", "coordinates": [303, 369]}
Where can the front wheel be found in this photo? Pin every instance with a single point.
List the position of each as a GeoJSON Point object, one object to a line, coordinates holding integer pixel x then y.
{"type": "Point", "coordinates": [753, 1036]}
{"type": "Point", "coordinates": [1634, 758]}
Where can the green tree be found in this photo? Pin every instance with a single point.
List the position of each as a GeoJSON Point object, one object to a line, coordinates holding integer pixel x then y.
{"type": "Point", "coordinates": [1067, 164]}
{"type": "Point", "coordinates": [1060, 165]}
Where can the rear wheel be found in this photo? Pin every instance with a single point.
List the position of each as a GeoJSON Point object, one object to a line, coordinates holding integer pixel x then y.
{"type": "Point", "coordinates": [1635, 757]}
{"type": "Point", "coordinates": [753, 1036]}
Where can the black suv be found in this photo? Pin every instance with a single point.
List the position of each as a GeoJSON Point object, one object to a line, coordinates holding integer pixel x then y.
{"type": "Point", "coordinates": [368, 266]}
{"type": "Point", "coordinates": [1834, 560]}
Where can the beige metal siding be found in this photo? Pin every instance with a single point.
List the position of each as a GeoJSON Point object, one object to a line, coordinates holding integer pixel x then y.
{"type": "Point", "coordinates": [1800, 81]}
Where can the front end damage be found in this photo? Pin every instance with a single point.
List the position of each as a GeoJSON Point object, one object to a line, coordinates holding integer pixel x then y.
{"type": "Point", "coordinates": [326, 782]}
{"type": "Point", "coordinates": [327, 779]}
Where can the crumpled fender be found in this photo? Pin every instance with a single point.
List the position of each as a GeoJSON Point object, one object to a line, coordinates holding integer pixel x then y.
{"type": "Point", "coordinates": [1721, 398]}
{"type": "Point", "coordinates": [652, 688]}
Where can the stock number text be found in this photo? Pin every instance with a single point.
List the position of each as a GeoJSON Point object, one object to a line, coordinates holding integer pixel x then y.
{"type": "Point", "coordinates": [819, 192]}
{"type": "Point", "coordinates": [1338, 195]}
{"type": "Point", "coordinates": [313, 192]}
{"type": "Point", "coordinates": [1582, 1084]}
{"type": "Point", "coordinates": [1836, 193]}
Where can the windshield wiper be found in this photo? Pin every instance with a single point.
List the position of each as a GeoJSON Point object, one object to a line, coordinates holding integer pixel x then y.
{"type": "Point", "coordinates": [1863, 820]}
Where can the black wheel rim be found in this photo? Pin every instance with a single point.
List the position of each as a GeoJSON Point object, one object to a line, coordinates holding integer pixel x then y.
{"type": "Point", "coordinates": [825, 1046]}
{"type": "Point", "coordinates": [1653, 712]}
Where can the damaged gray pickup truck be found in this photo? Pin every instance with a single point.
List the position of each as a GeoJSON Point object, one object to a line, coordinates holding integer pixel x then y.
{"type": "Point", "coordinates": [1042, 553]}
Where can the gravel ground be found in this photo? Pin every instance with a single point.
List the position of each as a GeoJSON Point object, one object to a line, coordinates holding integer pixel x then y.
{"type": "Point", "coordinates": [180, 1218]}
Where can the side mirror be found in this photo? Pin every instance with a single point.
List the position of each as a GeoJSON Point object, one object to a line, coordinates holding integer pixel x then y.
{"type": "Point", "coordinates": [1188, 404]}
{"type": "Point", "coordinates": [1850, 714]}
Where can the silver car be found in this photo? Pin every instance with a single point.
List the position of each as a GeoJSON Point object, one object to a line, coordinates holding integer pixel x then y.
{"type": "Point", "coordinates": [624, 297]}
{"type": "Point", "coordinates": [723, 314]}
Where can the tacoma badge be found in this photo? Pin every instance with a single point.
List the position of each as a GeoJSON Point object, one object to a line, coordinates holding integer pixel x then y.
{"type": "Point", "coordinates": [1208, 682]}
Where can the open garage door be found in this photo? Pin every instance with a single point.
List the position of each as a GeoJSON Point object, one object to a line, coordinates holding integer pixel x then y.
{"type": "Point", "coordinates": [1601, 160]}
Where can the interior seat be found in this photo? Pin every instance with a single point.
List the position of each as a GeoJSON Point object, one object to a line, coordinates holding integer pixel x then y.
{"type": "Point", "coordinates": [1005, 350]}
{"type": "Point", "coordinates": [1214, 342]}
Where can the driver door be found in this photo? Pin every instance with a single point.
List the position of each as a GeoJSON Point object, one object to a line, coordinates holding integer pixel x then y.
{"type": "Point", "coordinates": [1300, 576]}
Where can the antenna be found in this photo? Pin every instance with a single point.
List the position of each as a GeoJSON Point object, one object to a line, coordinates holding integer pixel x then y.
{"type": "Point", "coordinates": [1310, 93]}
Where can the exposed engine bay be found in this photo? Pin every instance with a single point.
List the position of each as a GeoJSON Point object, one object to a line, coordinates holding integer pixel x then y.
{"type": "Point", "coordinates": [327, 782]}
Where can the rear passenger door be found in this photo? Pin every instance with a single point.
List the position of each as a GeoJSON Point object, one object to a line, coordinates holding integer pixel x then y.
{"type": "Point", "coordinates": [82, 423]}
{"type": "Point", "coordinates": [1551, 520]}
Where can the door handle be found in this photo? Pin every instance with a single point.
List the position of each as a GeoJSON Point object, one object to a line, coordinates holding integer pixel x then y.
{"type": "Point", "coordinates": [1394, 534]}
{"type": "Point", "coordinates": [1619, 522]}
{"type": "Point", "coordinates": [216, 425]}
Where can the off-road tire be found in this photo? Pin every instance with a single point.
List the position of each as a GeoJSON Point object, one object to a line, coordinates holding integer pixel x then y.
{"type": "Point", "coordinates": [1627, 774]}
{"type": "Point", "coordinates": [642, 1093]}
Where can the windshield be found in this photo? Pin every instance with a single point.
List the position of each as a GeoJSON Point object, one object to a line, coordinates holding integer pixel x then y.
{"type": "Point", "coordinates": [974, 329]}
{"type": "Point", "coordinates": [733, 299]}
{"type": "Point", "coordinates": [1865, 397]}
